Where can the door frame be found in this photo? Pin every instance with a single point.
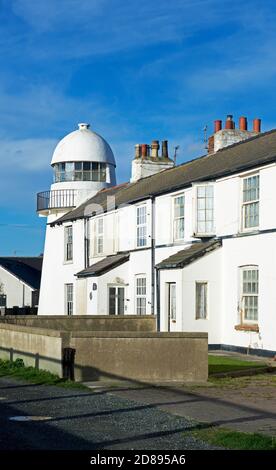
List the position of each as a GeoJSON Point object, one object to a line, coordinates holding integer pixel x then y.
{"type": "Point", "coordinates": [116, 286]}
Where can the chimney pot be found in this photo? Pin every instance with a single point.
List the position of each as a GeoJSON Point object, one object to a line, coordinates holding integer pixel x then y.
{"type": "Point", "coordinates": [137, 151]}
{"type": "Point", "coordinates": [218, 125]}
{"type": "Point", "coordinates": [243, 123]}
{"type": "Point", "coordinates": [165, 153]}
{"type": "Point", "coordinates": [257, 125]}
{"type": "Point", "coordinates": [144, 152]}
{"type": "Point", "coordinates": [229, 124]}
{"type": "Point", "coordinates": [154, 148]}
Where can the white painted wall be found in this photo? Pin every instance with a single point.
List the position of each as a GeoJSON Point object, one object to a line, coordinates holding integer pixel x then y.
{"type": "Point", "coordinates": [257, 250]}
{"type": "Point", "coordinates": [56, 272]}
{"type": "Point", "coordinates": [208, 268]}
{"type": "Point", "coordinates": [18, 293]}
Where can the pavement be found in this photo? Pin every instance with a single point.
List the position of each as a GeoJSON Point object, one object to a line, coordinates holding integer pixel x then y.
{"type": "Point", "coordinates": [247, 404]}
{"type": "Point", "coordinates": [48, 417]}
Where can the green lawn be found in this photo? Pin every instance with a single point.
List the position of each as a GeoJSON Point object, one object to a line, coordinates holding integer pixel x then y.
{"type": "Point", "coordinates": [31, 374]}
{"type": "Point", "coordinates": [223, 364]}
{"type": "Point", "coordinates": [235, 440]}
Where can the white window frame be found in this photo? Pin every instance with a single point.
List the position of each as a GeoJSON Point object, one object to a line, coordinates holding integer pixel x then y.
{"type": "Point", "coordinates": [69, 299]}
{"type": "Point", "coordinates": [141, 225]}
{"type": "Point", "coordinates": [206, 301]}
{"type": "Point", "coordinates": [141, 294]}
{"type": "Point", "coordinates": [99, 236]}
{"type": "Point", "coordinates": [205, 209]}
{"type": "Point", "coordinates": [251, 202]}
{"type": "Point", "coordinates": [177, 219]}
{"type": "Point", "coordinates": [245, 296]}
{"type": "Point", "coordinates": [68, 243]}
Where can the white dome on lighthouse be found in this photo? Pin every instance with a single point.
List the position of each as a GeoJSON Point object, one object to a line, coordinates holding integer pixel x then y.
{"type": "Point", "coordinates": [83, 145]}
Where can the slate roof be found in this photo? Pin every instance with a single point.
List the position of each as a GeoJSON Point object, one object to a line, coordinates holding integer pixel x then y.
{"type": "Point", "coordinates": [27, 269]}
{"type": "Point", "coordinates": [244, 155]}
{"type": "Point", "coordinates": [105, 265]}
{"type": "Point", "coordinates": [184, 257]}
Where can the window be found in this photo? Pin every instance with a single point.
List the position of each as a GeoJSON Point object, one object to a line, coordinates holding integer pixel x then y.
{"type": "Point", "coordinates": [178, 222]}
{"type": "Point", "coordinates": [141, 295]}
{"type": "Point", "coordinates": [205, 209]}
{"type": "Point", "coordinates": [141, 220]}
{"type": "Point", "coordinates": [99, 239]}
{"type": "Point", "coordinates": [250, 202]}
{"type": "Point", "coordinates": [68, 234]}
{"type": "Point", "coordinates": [79, 171]}
{"type": "Point", "coordinates": [69, 299]}
{"type": "Point", "coordinates": [172, 301]}
{"type": "Point", "coordinates": [249, 293]}
{"type": "Point", "coordinates": [201, 300]}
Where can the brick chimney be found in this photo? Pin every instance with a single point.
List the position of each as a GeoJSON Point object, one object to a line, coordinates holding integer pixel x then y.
{"type": "Point", "coordinates": [230, 135]}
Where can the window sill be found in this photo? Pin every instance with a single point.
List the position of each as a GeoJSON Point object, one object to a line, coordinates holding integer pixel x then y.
{"type": "Point", "coordinates": [68, 262]}
{"type": "Point", "coordinates": [247, 327]}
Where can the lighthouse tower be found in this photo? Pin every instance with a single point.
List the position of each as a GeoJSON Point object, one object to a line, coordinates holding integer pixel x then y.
{"type": "Point", "coordinates": [83, 163]}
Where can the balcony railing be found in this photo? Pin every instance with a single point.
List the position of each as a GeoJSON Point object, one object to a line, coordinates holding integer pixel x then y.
{"type": "Point", "coordinates": [58, 199]}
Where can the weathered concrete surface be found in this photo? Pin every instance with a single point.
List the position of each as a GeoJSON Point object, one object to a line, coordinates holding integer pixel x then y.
{"type": "Point", "coordinates": [149, 357]}
{"type": "Point", "coordinates": [85, 322]}
{"type": "Point", "coordinates": [39, 348]}
{"type": "Point", "coordinates": [137, 355]}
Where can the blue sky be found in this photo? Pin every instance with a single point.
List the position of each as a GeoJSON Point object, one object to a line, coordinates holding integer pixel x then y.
{"type": "Point", "coordinates": [137, 70]}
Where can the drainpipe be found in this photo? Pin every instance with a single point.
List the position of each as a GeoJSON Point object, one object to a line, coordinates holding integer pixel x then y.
{"type": "Point", "coordinates": [158, 299]}
{"type": "Point", "coordinates": [86, 243]}
{"type": "Point", "coordinates": [152, 255]}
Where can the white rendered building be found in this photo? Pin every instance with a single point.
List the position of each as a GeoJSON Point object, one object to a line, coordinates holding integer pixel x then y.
{"type": "Point", "coordinates": [19, 281]}
{"type": "Point", "coordinates": [194, 244]}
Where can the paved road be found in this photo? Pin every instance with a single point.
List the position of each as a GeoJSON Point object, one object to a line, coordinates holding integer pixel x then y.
{"type": "Point", "coordinates": [251, 408]}
{"type": "Point", "coordinates": [86, 421]}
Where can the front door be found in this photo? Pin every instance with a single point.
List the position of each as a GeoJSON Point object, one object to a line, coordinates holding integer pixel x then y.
{"type": "Point", "coordinates": [116, 296]}
{"type": "Point", "coordinates": [171, 306]}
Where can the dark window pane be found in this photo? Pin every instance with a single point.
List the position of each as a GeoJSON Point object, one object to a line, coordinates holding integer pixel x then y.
{"type": "Point", "coordinates": [86, 166]}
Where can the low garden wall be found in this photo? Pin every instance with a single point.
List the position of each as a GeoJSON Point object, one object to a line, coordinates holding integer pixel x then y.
{"type": "Point", "coordinates": [84, 322]}
{"type": "Point", "coordinates": [39, 348]}
{"type": "Point", "coordinates": [144, 356]}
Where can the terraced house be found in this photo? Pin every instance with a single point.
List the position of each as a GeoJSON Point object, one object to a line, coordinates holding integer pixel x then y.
{"type": "Point", "coordinates": [194, 244]}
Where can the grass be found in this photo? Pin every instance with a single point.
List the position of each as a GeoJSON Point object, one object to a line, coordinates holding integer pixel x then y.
{"type": "Point", "coordinates": [18, 370]}
{"type": "Point", "coordinates": [224, 364]}
{"type": "Point", "coordinates": [235, 440]}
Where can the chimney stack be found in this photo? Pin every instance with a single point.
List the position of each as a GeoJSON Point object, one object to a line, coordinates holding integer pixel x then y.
{"type": "Point", "coordinates": [229, 123]}
{"type": "Point", "coordinates": [165, 153]}
{"type": "Point", "coordinates": [257, 125]}
{"type": "Point", "coordinates": [218, 125]}
{"type": "Point", "coordinates": [243, 123]}
{"type": "Point", "coordinates": [154, 148]}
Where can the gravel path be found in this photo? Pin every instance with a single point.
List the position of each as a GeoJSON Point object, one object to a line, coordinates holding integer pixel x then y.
{"type": "Point", "coordinates": [81, 420]}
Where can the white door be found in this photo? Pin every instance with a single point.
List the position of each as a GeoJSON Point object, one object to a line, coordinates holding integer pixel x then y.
{"type": "Point", "coordinates": [171, 306]}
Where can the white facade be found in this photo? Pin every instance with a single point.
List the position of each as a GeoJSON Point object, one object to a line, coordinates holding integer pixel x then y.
{"type": "Point", "coordinates": [209, 293]}
{"type": "Point", "coordinates": [18, 293]}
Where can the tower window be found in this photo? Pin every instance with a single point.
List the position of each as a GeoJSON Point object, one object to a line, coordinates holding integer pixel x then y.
{"type": "Point", "coordinates": [68, 243]}
{"type": "Point", "coordinates": [79, 171]}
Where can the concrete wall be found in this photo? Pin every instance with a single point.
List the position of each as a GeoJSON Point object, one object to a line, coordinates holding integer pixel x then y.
{"type": "Point", "coordinates": [141, 356]}
{"type": "Point", "coordinates": [149, 357]}
{"type": "Point", "coordinates": [84, 323]}
{"type": "Point", "coordinates": [39, 348]}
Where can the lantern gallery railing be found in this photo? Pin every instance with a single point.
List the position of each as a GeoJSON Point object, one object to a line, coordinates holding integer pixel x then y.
{"type": "Point", "coordinates": [56, 199]}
